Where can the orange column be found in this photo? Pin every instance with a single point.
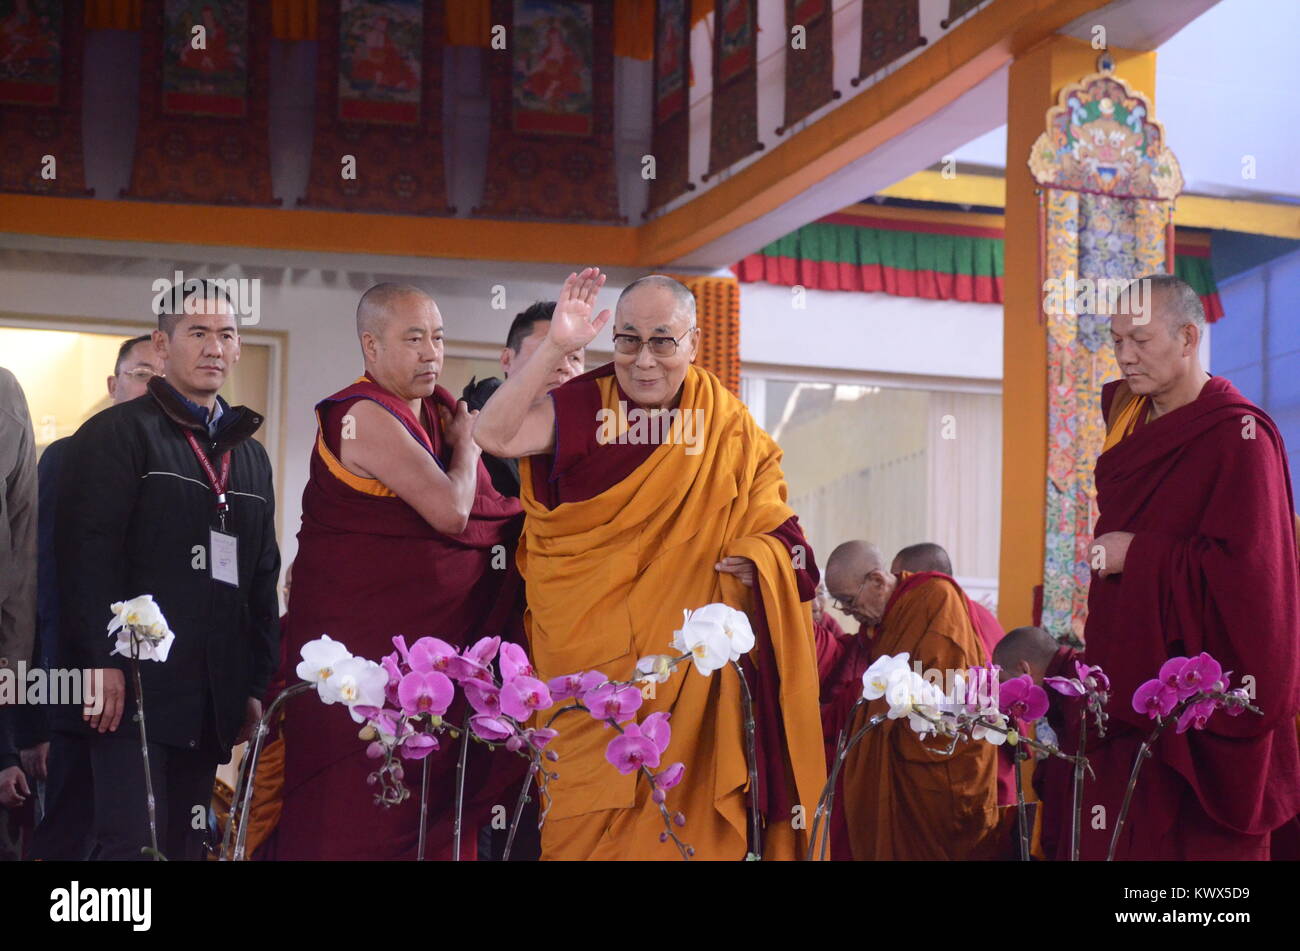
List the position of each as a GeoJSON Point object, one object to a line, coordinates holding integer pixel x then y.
{"type": "Point", "coordinates": [1036, 78]}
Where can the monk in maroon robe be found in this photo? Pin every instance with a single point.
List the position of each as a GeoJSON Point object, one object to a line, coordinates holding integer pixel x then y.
{"type": "Point", "coordinates": [402, 534]}
{"type": "Point", "coordinates": [1195, 550]}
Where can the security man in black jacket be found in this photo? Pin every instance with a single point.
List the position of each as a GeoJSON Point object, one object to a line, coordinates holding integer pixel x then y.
{"type": "Point", "coordinates": [167, 495]}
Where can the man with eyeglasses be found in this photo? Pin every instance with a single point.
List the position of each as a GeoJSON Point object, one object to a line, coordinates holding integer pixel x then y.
{"type": "Point", "coordinates": [905, 797]}
{"type": "Point", "coordinates": [678, 504]}
{"type": "Point", "coordinates": [59, 758]}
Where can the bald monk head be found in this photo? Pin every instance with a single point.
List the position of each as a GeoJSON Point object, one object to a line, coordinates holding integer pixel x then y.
{"type": "Point", "coordinates": [400, 331]}
{"type": "Point", "coordinates": [858, 581]}
{"type": "Point", "coordinates": [1026, 650]}
{"type": "Point", "coordinates": [655, 339]}
{"type": "Point", "coordinates": [926, 556]}
{"type": "Point", "coordinates": [1157, 341]}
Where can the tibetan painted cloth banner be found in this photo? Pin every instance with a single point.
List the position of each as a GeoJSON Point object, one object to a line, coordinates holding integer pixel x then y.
{"type": "Point", "coordinates": [203, 131]}
{"type": "Point", "coordinates": [957, 9]}
{"type": "Point", "coordinates": [551, 149]}
{"type": "Point", "coordinates": [1107, 185]}
{"type": "Point", "coordinates": [890, 29]}
{"type": "Point", "coordinates": [734, 120]}
{"type": "Point", "coordinates": [853, 253]}
{"type": "Point", "coordinates": [378, 128]}
{"type": "Point", "coordinates": [809, 59]}
{"type": "Point", "coordinates": [380, 50]}
{"type": "Point", "coordinates": [1192, 264]}
{"type": "Point", "coordinates": [205, 58]}
{"type": "Point", "coordinates": [40, 97]}
{"type": "Point", "coordinates": [670, 146]}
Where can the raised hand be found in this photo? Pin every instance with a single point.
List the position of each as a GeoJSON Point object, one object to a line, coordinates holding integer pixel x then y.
{"type": "Point", "coordinates": [573, 325]}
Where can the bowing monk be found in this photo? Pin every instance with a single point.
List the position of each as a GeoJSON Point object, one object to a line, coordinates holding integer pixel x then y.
{"type": "Point", "coordinates": [901, 798]}
{"type": "Point", "coordinates": [927, 556]}
{"type": "Point", "coordinates": [625, 530]}
{"type": "Point", "coordinates": [1194, 550]}
{"type": "Point", "coordinates": [402, 533]}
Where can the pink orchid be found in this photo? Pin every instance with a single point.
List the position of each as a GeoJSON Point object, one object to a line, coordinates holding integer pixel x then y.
{"type": "Point", "coordinates": [1155, 698]}
{"type": "Point", "coordinates": [391, 665]}
{"type": "Point", "coordinates": [655, 726]}
{"type": "Point", "coordinates": [1197, 715]}
{"type": "Point", "coordinates": [669, 776]}
{"type": "Point", "coordinates": [1066, 685]}
{"type": "Point", "coordinates": [400, 643]}
{"type": "Point", "coordinates": [1202, 672]}
{"type": "Point", "coordinates": [490, 728]}
{"type": "Point", "coordinates": [520, 696]}
{"type": "Point", "coordinates": [514, 662]}
{"type": "Point", "coordinates": [574, 685]}
{"type": "Point", "coordinates": [418, 745]}
{"type": "Point", "coordinates": [540, 737]}
{"type": "Point", "coordinates": [483, 697]}
{"type": "Point", "coordinates": [1020, 697]}
{"type": "Point", "coordinates": [484, 649]}
{"type": "Point", "coordinates": [1234, 703]}
{"type": "Point", "coordinates": [1096, 674]}
{"type": "Point", "coordinates": [431, 653]}
{"type": "Point", "coordinates": [630, 750]}
{"type": "Point", "coordinates": [425, 692]}
{"type": "Point", "coordinates": [1170, 670]}
{"type": "Point", "coordinates": [611, 702]}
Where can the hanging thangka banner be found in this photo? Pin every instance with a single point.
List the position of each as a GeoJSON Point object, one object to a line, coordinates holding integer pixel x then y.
{"type": "Point", "coordinates": [378, 128]}
{"type": "Point", "coordinates": [809, 60]}
{"type": "Point", "coordinates": [40, 97]}
{"type": "Point", "coordinates": [670, 142]}
{"type": "Point", "coordinates": [551, 150]}
{"type": "Point", "coordinates": [1108, 181]}
{"type": "Point", "coordinates": [890, 29]}
{"type": "Point", "coordinates": [957, 9]}
{"type": "Point", "coordinates": [203, 103]}
{"type": "Point", "coordinates": [734, 120]}
{"type": "Point", "coordinates": [205, 57]}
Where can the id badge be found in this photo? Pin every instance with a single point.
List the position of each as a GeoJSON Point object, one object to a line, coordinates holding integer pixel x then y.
{"type": "Point", "coordinates": [225, 558]}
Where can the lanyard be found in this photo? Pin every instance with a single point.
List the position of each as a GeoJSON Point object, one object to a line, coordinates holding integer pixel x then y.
{"type": "Point", "coordinates": [218, 483]}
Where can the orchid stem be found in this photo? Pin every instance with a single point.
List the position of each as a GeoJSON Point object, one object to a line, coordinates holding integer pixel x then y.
{"type": "Point", "coordinates": [144, 747]}
{"type": "Point", "coordinates": [822, 817]}
{"type": "Point", "coordinates": [519, 810]}
{"type": "Point", "coordinates": [1020, 808]}
{"type": "Point", "coordinates": [1076, 828]}
{"type": "Point", "coordinates": [424, 807]}
{"type": "Point", "coordinates": [248, 771]}
{"type": "Point", "coordinates": [460, 789]}
{"type": "Point", "coordinates": [751, 756]}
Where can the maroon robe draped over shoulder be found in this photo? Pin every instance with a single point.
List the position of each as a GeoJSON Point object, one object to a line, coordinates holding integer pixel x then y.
{"type": "Point", "coordinates": [1206, 492]}
{"type": "Point", "coordinates": [370, 567]}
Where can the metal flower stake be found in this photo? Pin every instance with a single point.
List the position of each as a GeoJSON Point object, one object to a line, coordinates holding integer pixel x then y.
{"type": "Point", "coordinates": [141, 633]}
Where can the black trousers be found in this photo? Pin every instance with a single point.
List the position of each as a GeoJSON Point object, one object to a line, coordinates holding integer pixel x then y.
{"type": "Point", "coordinates": [66, 832]}
{"type": "Point", "coordinates": [182, 788]}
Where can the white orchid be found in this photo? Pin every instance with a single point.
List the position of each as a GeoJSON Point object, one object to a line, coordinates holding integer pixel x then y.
{"type": "Point", "coordinates": [355, 682]}
{"type": "Point", "coordinates": [319, 659]}
{"type": "Point", "coordinates": [909, 692]}
{"type": "Point", "coordinates": [655, 669]}
{"type": "Point", "coordinates": [877, 677]}
{"type": "Point", "coordinates": [735, 624]}
{"type": "Point", "coordinates": [980, 731]}
{"type": "Point", "coordinates": [705, 639]}
{"type": "Point", "coordinates": [140, 620]}
{"type": "Point", "coordinates": [927, 701]}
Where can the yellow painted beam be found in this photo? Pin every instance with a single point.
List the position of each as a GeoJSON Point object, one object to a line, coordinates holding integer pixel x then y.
{"type": "Point", "coordinates": [1190, 211]}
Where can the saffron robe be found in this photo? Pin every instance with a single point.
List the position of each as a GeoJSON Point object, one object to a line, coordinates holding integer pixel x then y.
{"type": "Point", "coordinates": [901, 799]}
{"type": "Point", "coordinates": [619, 539]}
{"type": "Point", "coordinates": [1212, 567]}
{"type": "Point", "coordinates": [370, 567]}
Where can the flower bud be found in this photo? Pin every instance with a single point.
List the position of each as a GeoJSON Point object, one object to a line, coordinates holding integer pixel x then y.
{"type": "Point", "coordinates": [435, 721]}
{"type": "Point", "coordinates": [679, 819]}
{"type": "Point", "coordinates": [552, 755]}
{"type": "Point", "coordinates": [663, 836]}
{"type": "Point", "coordinates": [372, 779]}
{"type": "Point", "coordinates": [1012, 737]}
{"type": "Point", "coordinates": [367, 733]}
{"type": "Point", "coordinates": [398, 772]}
{"type": "Point", "coordinates": [375, 750]}
{"type": "Point", "coordinates": [690, 851]}
{"type": "Point", "coordinates": [658, 795]}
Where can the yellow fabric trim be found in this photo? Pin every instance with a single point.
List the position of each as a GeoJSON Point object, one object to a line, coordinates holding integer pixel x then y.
{"type": "Point", "coordinates": [1125, 422]}
{"type": "Point", "coordinates": [350, 479]}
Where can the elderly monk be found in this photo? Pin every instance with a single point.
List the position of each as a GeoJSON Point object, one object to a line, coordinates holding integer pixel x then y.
{"type": "Point", "coordinates": [927, 556]}
{"type": "Point", "coordinates": [1194, 550]}
{"type": "Point", "coordinates": [622, 534]}
{"type": "Point", "coordinates": [402, 533]}
{"type": "Point", "coordinates": [901, 798]}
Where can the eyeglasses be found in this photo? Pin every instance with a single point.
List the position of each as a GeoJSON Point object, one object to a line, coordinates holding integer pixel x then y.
{"type": "Point", "coordinates": [659, 346]}
{"type": "Point", "coordinates": [846, 606]}
{"type": "Point", "coordinates": [141, 374]}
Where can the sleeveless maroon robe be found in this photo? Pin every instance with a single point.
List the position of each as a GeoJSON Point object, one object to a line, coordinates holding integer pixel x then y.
{"type": "Point", "coordinates": [369, 568]}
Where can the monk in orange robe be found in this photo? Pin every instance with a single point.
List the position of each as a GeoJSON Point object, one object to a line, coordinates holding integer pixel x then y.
{"type": "Point", "coordinates": [623, 531]}
{"type": "Point", "coordinates": [903, 798]}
